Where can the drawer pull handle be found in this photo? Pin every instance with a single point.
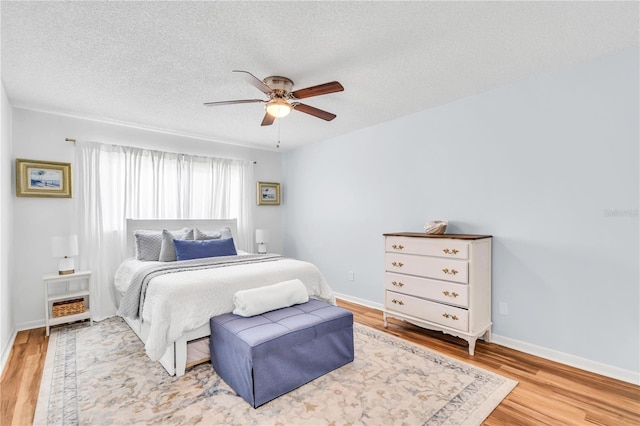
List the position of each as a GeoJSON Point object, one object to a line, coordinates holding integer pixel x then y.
{"type": "Point", "coordinates": [447, 251]}
{"type": "Point", "coordinates": [398, 264]}
{"type": "Point", "coordinates": [453, 294]}
{"type": "Point", "coordinates": [453, 317]}
{"type": "Point", "coordinates": [399, 302]}
{"type": "Point", "coordinates": [397, 246]}
{"type": "Point", "coordinates": [449, 272]}
{"type": "Point", "coordinates": [397, 283]}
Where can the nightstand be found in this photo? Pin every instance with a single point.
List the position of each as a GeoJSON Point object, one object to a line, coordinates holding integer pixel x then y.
{"type": "Point", "coordinates": [55, 301]}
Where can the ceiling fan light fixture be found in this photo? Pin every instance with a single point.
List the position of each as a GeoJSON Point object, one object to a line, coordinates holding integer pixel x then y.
{"type": "Point", "coordinates": [278, 108]}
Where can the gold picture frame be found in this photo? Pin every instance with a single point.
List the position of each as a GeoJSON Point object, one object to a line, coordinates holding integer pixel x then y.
{"type": "Point", "coordinates": [268, 193]}
{"type": "Point", "coordinates": [43, 179]}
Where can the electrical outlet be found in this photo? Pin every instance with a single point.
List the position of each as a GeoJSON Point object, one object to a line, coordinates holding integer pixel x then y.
{"type": "Point", "coordinates": [504, 308]}
{"type": "Point", "coordinates": [351, 276]}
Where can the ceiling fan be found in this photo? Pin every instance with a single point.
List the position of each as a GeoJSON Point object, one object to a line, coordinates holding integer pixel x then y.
{"type": "Point", "coordinates": [279, 91]}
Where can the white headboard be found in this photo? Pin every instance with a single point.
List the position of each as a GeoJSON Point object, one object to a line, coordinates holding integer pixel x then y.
{"type": "Point", "coordinates": [171, 224]}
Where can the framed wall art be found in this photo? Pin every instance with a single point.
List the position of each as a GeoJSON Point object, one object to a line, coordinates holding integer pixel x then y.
{"type": "Point", "coordinates": [268, 193]}
{"type": "Point", "coordinates": [43, 179]}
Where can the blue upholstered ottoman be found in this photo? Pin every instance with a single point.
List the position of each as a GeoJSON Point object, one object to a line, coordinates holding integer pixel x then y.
{"type": "Point", "coordinates": [268, 355]}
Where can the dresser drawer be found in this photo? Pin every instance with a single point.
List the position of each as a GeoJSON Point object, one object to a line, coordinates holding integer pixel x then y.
{"type": "Point", "coordinates": [431, 267]}
{"type": "Point", "coordinates": [429, 311]}
{"type": "Point", "coordinates": [440, 291]}
{"type": "Point", "coordinates": [448, 248]}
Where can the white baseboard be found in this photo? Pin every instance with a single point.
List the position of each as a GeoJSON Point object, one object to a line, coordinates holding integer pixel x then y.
{"type": "Point", "coordinates": [6, 351]}
{"type": "Point", "coordinates": [359, 301]}
{"type": "Point", "coordinates": [31, 325]}
{"type": "Point", "coordinates": [568, 359]}
{"type": "Point", "coordinates": [542, 352]}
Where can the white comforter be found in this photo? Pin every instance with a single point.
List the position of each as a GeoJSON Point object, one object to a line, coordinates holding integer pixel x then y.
{"type": "Point", "coordinates": [178, 302]}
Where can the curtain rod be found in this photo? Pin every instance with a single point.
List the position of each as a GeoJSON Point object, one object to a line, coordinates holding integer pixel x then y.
{"type": "Point", "coordinates": [74, 141]}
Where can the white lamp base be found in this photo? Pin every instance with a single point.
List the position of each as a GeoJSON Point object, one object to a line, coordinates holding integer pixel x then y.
{"type": "Point", "coordinates": [262, 248]}
{"type": "Point", "coordinates": [65, 266]}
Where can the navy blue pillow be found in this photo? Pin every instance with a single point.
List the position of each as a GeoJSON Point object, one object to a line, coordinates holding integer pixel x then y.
{"type": "Point", "coordinates": [197, 249]}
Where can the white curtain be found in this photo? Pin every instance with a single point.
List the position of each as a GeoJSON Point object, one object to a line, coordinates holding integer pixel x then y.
{"type": "Point", "coordinates": [114, 183]}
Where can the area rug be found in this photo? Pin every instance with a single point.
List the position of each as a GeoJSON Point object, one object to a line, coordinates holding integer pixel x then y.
{"type": "Point", "coordinates": [100, 375]}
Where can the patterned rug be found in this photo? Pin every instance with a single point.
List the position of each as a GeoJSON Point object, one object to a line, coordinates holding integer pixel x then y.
{"type": "Point", "coordinates": [101, 375]}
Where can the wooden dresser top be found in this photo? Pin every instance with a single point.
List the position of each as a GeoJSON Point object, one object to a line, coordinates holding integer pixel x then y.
{"type": "Point", "coordinates": [450, 236]}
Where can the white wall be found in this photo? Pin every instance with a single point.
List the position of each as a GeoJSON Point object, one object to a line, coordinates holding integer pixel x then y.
{"type": "Point", "coordinates": [41, 136]}
{"type": "Point", "coordinates": [7, 322]}
{"type": "Point", "coordinates": [540, 165]}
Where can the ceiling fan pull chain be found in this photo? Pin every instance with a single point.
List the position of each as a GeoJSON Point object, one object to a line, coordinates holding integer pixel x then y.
{"type": "Point", "coordinates": [278, 144]}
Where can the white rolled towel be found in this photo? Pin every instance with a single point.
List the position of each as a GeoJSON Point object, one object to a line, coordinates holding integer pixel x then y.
{"type": "Point", "coordinates": [256, 301]}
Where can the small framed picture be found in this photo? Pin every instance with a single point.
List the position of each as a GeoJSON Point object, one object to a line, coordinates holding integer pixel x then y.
{"type": "Point", "coordinates": [268, 193]}
{"type": "Point", "coordinates": [43, 179]}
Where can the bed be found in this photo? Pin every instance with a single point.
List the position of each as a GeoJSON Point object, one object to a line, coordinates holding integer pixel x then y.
{"type": "Point", "coordinates": [169, 304]}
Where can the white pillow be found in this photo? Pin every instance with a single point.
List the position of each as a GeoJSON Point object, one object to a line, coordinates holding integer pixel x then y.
{"type": "Point", "coordinates": [259, 300]}
{"type": "Point", "coordinates": [212, 235]}
{"type": "Point", "coordinates": [148, 244]}
{"type": "Point", "coordinates": [168, 249]}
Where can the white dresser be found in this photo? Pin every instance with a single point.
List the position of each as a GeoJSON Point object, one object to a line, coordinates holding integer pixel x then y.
{"type": "Point", "coordinates": [440, 282]}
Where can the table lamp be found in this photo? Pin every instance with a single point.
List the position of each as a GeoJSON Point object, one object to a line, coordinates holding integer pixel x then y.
{"type": "Point", "coordinates": [261, 239]}
{"type": "Point", "coordinates": [65, 248]}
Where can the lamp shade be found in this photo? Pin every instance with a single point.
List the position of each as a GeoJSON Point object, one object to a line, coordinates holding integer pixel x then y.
{"type": "Point", "coordinates": [261, 239]}
{"type": "Point", "coordinates": [64, 246]}
{"type": "Point", "coordinates": [261, 236]}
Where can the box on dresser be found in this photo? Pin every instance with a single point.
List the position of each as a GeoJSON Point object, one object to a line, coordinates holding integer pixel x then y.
{"type": "Point", "coordinates": [440, 282]}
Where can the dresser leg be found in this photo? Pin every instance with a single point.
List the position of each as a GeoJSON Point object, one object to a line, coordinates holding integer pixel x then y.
{"type": "Point", "coordinates": [472, 345]}
{"type": "Point", "coordinates": [487, 336]}
{"type": "Point", "coordinates": [386, 323]}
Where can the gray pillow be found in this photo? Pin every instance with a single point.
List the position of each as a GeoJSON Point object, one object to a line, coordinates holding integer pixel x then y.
{"type": "Point", "coordinates": [167, 248]}
{"type": "Point", "coordinates": [148, 245]}
{"type": "Point", "coordinates": [212, 235]}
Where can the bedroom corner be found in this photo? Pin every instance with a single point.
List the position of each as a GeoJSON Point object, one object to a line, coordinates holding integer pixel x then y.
{"type": "Point", "coordinates": [7, 320]}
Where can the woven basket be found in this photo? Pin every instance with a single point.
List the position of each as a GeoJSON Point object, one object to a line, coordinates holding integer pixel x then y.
{"type": "Point", "coordinates": [67, 307]}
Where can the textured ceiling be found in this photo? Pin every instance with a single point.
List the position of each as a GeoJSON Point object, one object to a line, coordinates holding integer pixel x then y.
{"type": "Point", "coordinates": [154, 63]}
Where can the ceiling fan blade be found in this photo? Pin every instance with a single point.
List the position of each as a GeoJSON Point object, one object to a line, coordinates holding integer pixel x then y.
{"type": "Point", "coordinates": [242, 101]}
{"type": "Point", "coordinates": [268, 120]}
{"type": "Point", "coordinates": [321, 89]}
{"type": "Point", "coordinates": [255, 81]}
{"type": "Point", "coordinates": [313, 111]}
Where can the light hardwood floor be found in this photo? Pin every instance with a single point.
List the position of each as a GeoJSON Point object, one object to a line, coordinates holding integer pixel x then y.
{"type": "Point", "coordinates": [548, 393]}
